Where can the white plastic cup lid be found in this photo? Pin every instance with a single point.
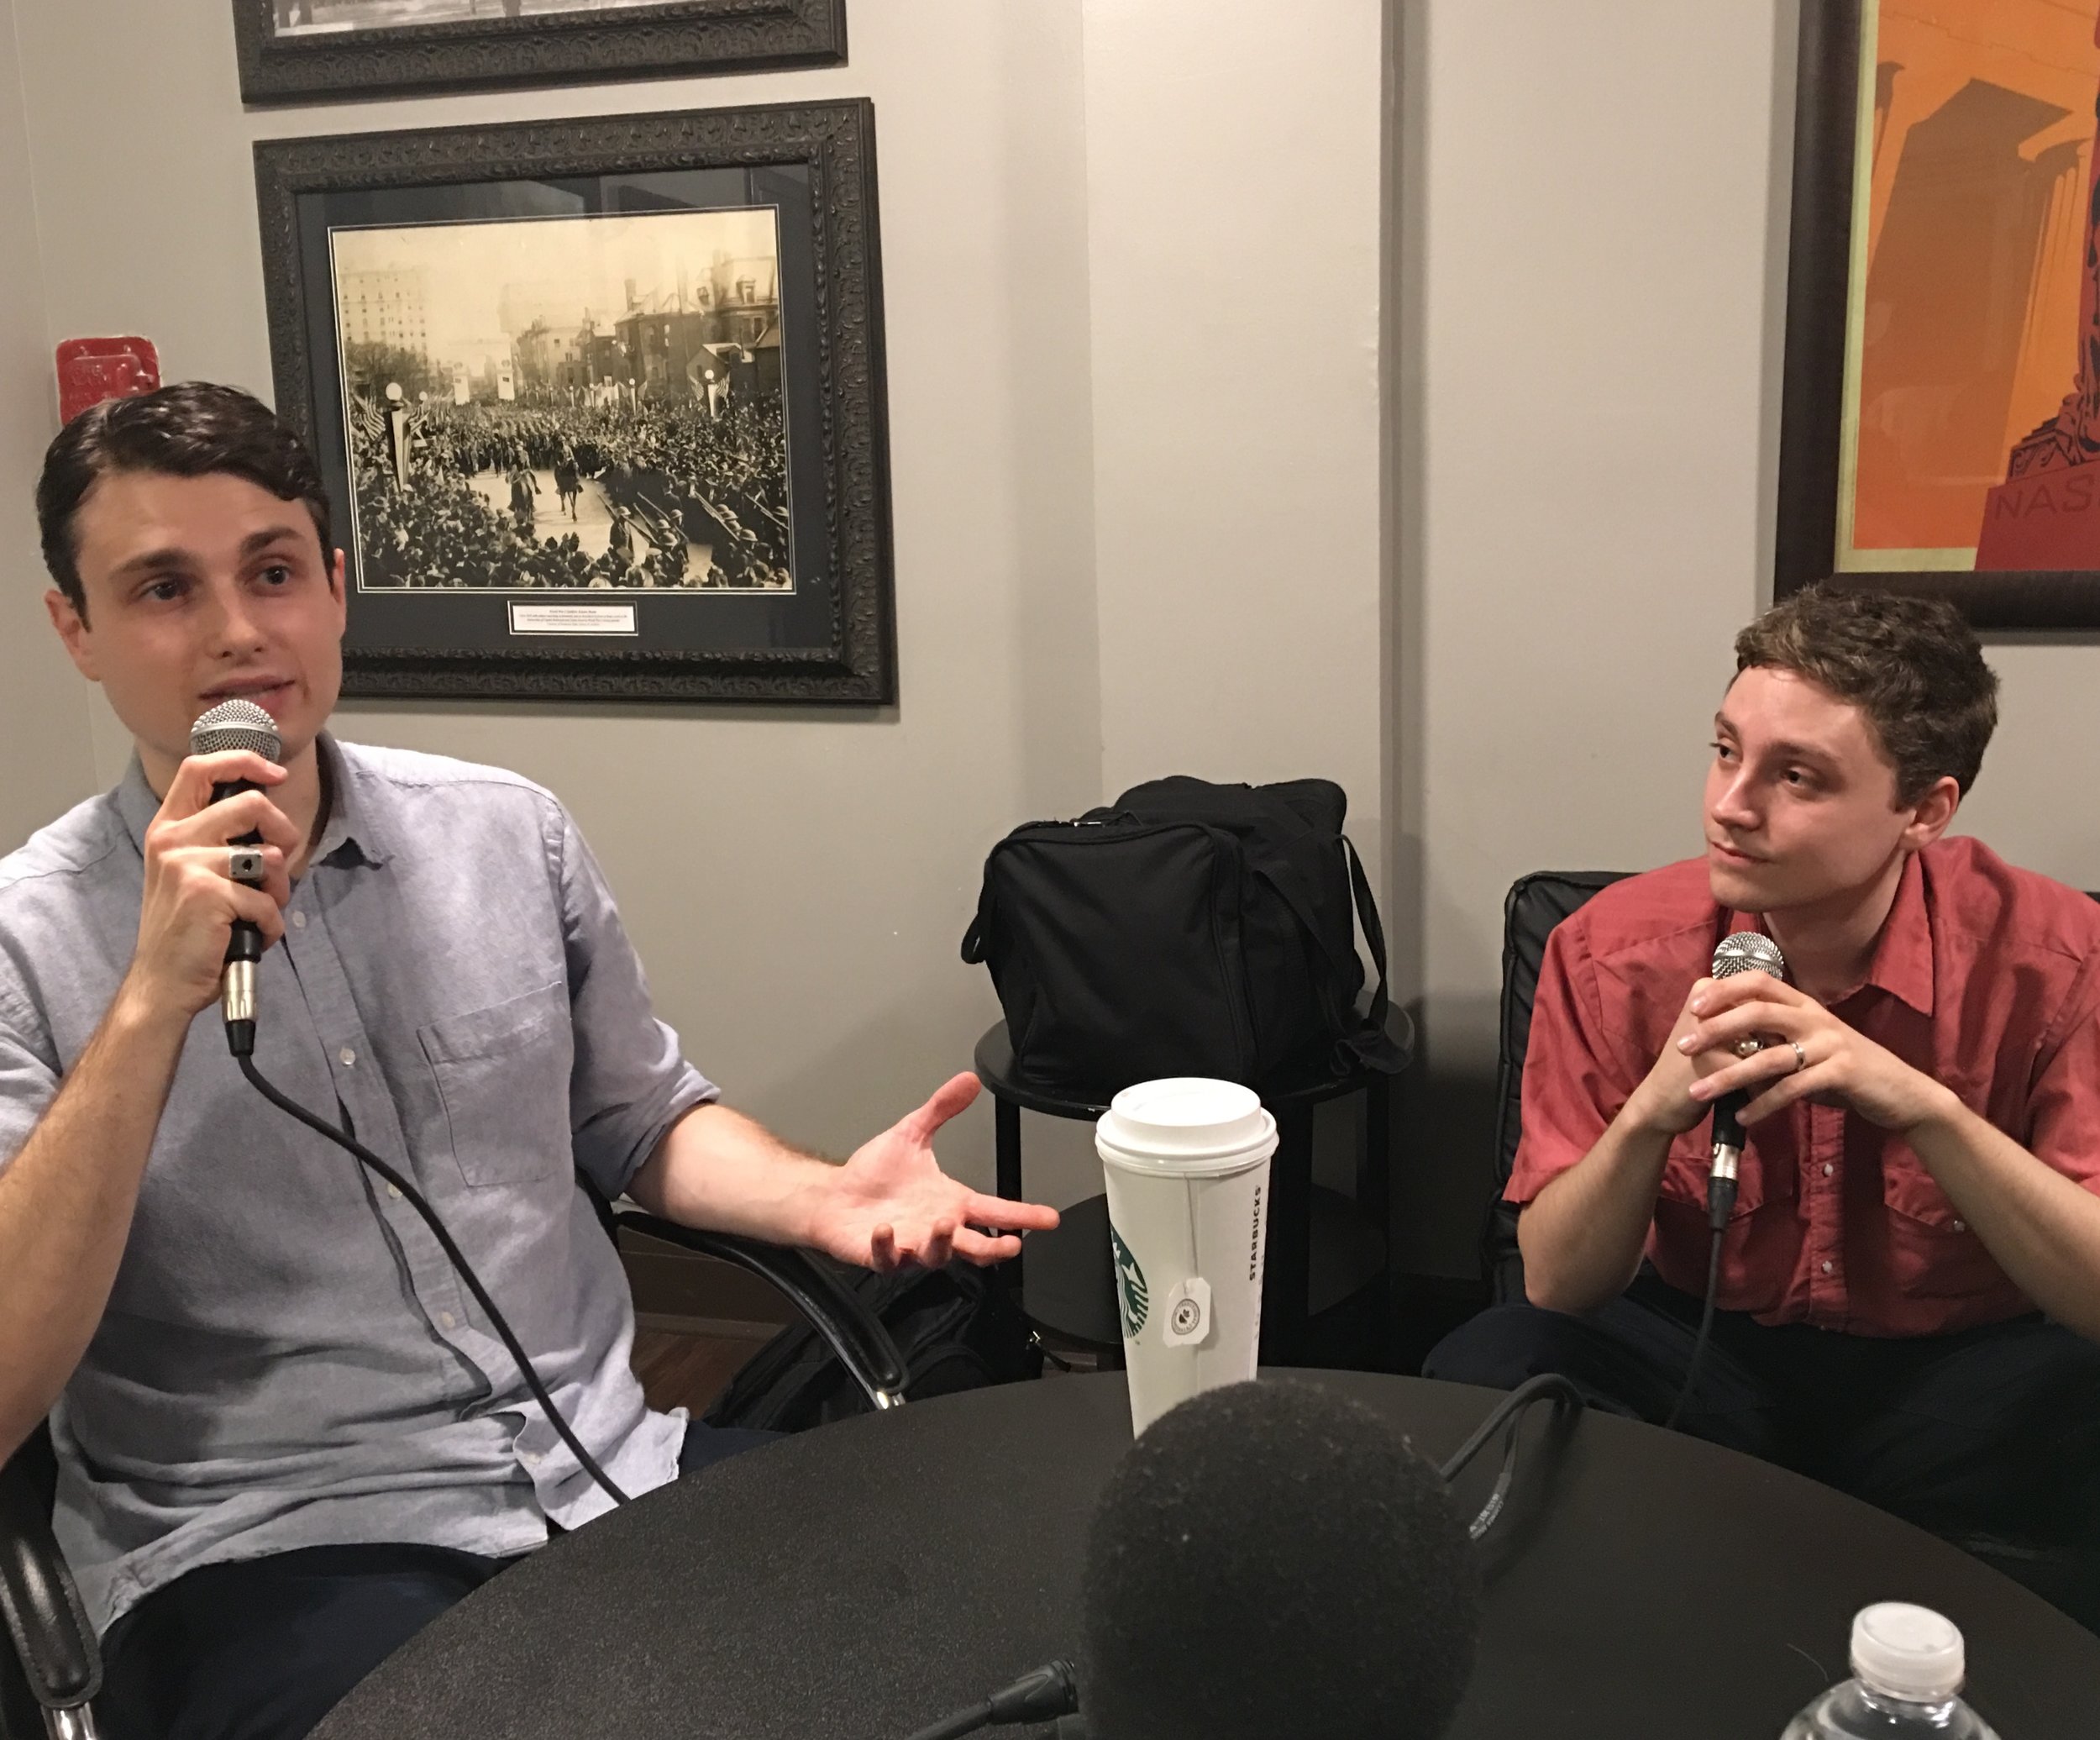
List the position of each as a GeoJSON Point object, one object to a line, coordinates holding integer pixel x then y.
{"type": "Point", "coordinates": [1187, 1124]}
{"type": "Point", "coordinates": [1905, 1652]}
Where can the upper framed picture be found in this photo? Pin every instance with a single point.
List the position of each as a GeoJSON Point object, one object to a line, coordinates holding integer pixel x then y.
{"type": "Point", "coordinates": [308, 51]}
{"type": "Point", "coordinates": [599, 402]}
{"type": "Point", "coordinates": [1941, 432]}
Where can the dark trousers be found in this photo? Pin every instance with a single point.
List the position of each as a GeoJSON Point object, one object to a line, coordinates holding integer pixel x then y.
{"type": "Point", "coordinates": [1989, 1438]}
{"type": "Point", "coordinates": [263, 1648]}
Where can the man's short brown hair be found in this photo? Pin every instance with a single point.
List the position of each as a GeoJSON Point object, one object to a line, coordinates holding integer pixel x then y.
{"type": "Point", "coordinates": [1912, 666]}
{"type": "Point", "coordinates": [189, 430]}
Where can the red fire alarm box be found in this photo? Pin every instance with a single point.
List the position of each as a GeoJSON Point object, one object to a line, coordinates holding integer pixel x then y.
{"type": "Point", "coordinates": [92, 370]}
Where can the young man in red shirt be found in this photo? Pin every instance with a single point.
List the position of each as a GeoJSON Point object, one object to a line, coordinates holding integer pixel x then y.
{"type": "Point", "coordinates": [1908, 1298]}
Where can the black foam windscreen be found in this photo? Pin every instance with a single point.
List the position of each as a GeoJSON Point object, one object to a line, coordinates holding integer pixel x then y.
{"type": "Point", "coordinates": [1269, 1559]}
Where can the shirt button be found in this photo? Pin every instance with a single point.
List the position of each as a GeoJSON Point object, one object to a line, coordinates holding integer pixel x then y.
{"type": "Point", "coordinates": [1961, 1226]}
{"type": "Point", "coordinates": [1828, 1169]}
{"type": "Point", "coordinates": [394, 1191]}
{"type": "Point", "coordinates": [530, 1459]}
{"type": "Point", "coordinates": [298, 920]}
{"type": "Point", "coordinates": [449, 1322]}
{"type": "Point", "coordinates": [348, 1056]}
{"type": "Point", "coordinates": [1828, 1266]}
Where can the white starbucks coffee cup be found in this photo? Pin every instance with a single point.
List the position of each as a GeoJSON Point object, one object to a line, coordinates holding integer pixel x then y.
{"type": "Point", "coordinates": [1186, 1164]}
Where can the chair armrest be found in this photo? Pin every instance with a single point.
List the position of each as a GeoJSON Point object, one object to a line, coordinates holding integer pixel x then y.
{"type": "Point", "coordinates": [852, 1331]}
{"type": "Point", "coordinates": [61, 1662]}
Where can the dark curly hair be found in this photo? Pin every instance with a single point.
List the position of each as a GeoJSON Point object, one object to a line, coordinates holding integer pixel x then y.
{"type": "Point", "coordinates": [1912, 666]}
{"type": "Point", "coordinates": [191, 429]}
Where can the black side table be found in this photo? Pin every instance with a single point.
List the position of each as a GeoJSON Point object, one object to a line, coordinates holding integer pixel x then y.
{"type": "Point", "coordinates": [1323, 1247]}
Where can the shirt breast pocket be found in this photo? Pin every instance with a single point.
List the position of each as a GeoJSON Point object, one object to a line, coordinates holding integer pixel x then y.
{"type": "Point", "coordinates": [1932, 1253]}
{"type": "Point", "coordinates": [502, 1077]}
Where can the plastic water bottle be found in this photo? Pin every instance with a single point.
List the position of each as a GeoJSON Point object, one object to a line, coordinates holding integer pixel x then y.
{"type": "Point", "coordinates": [1907, 1663]}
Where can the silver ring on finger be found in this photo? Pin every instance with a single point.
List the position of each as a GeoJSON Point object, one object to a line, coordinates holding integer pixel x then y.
{"type": "Point", "coordinates": [244, 864]}
{"type": "Point", "coordinates": [1800, 1057]}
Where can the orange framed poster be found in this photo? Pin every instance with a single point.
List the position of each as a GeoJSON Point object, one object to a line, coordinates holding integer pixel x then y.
{"type": "Point", "coordinates": [1941, 423]}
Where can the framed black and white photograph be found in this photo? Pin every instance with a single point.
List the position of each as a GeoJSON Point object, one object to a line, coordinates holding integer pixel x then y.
{"type": "Point", "coordinates": [599, 403]}
{"type": "Point", "coordinates": [305, 50]}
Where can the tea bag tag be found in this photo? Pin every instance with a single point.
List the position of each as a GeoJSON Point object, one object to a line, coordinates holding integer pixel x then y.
{"type": "Point", "coordinates": [1186, 1320]}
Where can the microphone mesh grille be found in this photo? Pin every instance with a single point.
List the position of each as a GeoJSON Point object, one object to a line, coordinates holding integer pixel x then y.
{"type": "Point", "coordinates": [1748, 951]}
{"type": "Point", "coordinates": [236, 725]}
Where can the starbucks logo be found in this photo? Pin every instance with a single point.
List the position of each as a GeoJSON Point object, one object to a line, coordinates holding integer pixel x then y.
{"type": "Point", "coordinates": [1131, 1294]}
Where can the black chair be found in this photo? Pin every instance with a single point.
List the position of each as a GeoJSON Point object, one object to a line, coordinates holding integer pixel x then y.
{"type": "Point", "coordinates": [1535, 904]}
{"type": "Point", "coordinates": [49, 1678]}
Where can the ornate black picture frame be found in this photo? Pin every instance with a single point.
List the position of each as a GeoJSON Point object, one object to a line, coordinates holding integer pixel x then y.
{"type": "Point", "coordinates": [313, 50]}
{"type": "Point", "coordinates": [1852, 86]}
{"type": "Point", "coordinates": [600, 403]}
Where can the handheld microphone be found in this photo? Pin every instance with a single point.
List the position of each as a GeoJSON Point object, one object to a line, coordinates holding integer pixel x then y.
{"type": "Point", "coordinates": [239, 725]}
{"type": "Point", "coordinates": [1269, 1558]}
{"type": "Point", "coordinates": [1742, 951]}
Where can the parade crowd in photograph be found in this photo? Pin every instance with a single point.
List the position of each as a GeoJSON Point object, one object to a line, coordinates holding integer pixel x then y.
{"type": "Point", "coordinates": [678, 495]}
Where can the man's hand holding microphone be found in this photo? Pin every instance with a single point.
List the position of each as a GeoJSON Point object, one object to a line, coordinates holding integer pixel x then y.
{"type": "Point", "coordinates": [191, 898]}
{"type": "Point", "coordinates": [1807, 1053]}
{"type": "Point", "coordinates": [1584, 1235]}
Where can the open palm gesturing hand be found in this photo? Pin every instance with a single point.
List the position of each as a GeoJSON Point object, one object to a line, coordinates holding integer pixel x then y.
{"type": "Point", "coordinates": [891, 1204]}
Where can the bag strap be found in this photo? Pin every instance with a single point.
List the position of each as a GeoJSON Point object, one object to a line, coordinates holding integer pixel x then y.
{"type": "Point", "coordinates": [1369, 1043]}
{"type": "Point", "coordinates": [1373, 932]}
{"type": "Point", "coordinates": [976, 938]}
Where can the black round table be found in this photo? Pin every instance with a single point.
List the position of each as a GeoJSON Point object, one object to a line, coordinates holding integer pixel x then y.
{"type": "Point", "coordinates": [861, 1580]}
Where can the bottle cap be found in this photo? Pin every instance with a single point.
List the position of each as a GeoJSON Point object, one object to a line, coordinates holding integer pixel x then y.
{"type": "Point", "coordinates": [1905, 1652]}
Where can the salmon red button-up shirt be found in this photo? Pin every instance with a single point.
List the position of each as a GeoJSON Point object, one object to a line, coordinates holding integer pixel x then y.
{"type": "Point", "coordinates": [1986, 977]}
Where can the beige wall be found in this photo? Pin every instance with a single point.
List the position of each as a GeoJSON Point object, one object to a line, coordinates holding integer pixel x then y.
{"type": "Point", "coordinates": [1138, 352]}
{"type": "Point", "coordinates": [798, 882]}
{"type": "Point", "coordinates": [44, 715]}
{"type": "Point", "coordinates": [1234, 200]}
{"type": "Point", "coordinates": [1588, 276]}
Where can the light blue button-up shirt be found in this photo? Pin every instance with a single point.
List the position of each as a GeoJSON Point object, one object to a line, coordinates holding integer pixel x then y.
{"type": "Point", "coordinates": [287, 1358]}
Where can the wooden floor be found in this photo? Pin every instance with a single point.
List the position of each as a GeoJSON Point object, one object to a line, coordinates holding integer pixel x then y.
{"type": "Point", "coordinates": [687, 1371]}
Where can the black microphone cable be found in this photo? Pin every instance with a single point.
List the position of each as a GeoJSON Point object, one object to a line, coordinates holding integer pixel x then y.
{"type": "Point", "coordinates": [1720, 1201]}
{"type": "Point", "coordinates": [414, 1198]}
{"type": "Point", "coordinates": [1706, 1311]}
{"type": "Point", "coordinates": [241, 724]}
{"type": "Point", "coordinates": [1742, 951]}
{"type": "Point", "coordinates": [1508, 1412]}
{"type": "Point", "coordinates": [1043, 1695]}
